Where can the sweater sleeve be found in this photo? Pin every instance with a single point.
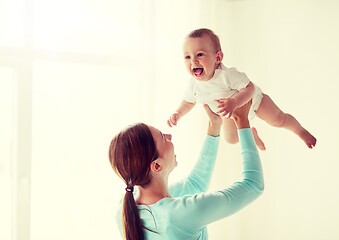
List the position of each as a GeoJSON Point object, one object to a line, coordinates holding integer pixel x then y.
{"type": "Point", "coordinates": [205, 208]}
{"type": "Point", "coordinates": [200, 176]}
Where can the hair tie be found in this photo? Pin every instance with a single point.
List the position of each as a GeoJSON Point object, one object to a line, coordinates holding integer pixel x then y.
{"type": "Point", "coordinates": [129, 189]}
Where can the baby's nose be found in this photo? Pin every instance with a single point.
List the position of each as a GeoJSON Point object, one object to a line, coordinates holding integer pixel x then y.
{"type": "Point", "coordinates": [194, 60]}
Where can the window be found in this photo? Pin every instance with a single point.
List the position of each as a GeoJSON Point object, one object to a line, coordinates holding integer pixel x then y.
{"type": "Point", "coordinates": [6, 146]}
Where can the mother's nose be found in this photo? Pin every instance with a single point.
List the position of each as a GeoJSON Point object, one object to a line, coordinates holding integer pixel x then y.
{"type": "Point", "coordinates": [168, 136]}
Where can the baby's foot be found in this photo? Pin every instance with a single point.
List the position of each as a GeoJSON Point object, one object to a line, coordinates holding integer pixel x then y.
{"type": "Point", "coordinates": [308, 138]}
{"type": "Point", "coordinates": [257, 140]}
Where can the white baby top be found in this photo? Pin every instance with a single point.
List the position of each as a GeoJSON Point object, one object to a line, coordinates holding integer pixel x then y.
{"type": "Point", "coordinates": [224, 84]}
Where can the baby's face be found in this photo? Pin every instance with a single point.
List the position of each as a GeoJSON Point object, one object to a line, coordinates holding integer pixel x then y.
{"type": "Point", "coordinates": [201, 59]}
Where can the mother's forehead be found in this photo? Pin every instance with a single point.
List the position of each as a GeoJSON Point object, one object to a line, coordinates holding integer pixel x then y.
{"type": "Point", "coordinates": [154, 130]}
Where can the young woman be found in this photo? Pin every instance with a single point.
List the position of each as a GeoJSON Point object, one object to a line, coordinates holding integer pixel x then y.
{"type": "Point", "coordinates": [143, 156]}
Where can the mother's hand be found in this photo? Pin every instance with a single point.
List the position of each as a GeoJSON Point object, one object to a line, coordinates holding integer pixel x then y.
{"type": "Point", "coordinates": [215, 122]}
{"type": "Point", "coordinates": [240, 115]}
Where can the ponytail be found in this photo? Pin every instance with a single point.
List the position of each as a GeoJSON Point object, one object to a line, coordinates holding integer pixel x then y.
{"type": "Point", "coordinates": [131, 223]}
{"type": "Point", "coordinates": [130, 153]}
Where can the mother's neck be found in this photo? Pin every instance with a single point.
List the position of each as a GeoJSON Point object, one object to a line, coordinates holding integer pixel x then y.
{"type": "Point", "coordinates": [153, 192]}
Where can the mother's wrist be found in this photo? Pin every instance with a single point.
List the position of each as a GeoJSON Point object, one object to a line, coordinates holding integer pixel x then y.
{"type": "Point", "coordinates": [213, 130]}
{"type": "Point", "coordinates": [212, 134]}
{"type": "Point", "coordinates": [242, 123]}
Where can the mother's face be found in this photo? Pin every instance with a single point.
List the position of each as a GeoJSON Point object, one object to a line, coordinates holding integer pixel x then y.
{"type": "Point", "coordinates": [165, 147]}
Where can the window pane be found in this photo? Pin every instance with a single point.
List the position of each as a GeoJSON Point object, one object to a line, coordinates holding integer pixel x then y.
{"type": "Point", "coordinates": [98, 27]}
{"type": "Point", "coordinates": [12, 23]}
{"type": "Point", "coordinates": [76, 111]}
{"type": "Point", "coordinates": [6, 137]}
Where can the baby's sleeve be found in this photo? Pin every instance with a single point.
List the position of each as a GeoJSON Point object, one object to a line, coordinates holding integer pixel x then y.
{"type": "Point", "coordinates": [189, 94]}
{"type": "Point", "coordinates": [236, 80]}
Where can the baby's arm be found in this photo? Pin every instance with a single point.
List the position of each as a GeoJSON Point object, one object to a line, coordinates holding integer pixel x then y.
{"type": "Point", "coordinates": [184, 108]}
{"type": "Point", "coordinates": [228, 105]}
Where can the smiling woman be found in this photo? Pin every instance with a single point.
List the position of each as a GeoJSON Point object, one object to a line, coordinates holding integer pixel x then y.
{"type": "Point", "coordinates": [144, 158]}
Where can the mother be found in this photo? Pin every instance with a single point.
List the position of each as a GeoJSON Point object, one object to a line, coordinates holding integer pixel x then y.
{"type": "Point", "coordinates": [143, 156]}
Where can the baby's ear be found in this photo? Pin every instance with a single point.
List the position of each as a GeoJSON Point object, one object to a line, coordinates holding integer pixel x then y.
{"type": "Point", "coordinates": [220, 56]}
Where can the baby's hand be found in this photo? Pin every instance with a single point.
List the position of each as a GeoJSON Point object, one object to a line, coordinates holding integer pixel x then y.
{"type": "Point", "coordinates": [174, 118]}
{"type": "Point", "coordinates": [226, 106]}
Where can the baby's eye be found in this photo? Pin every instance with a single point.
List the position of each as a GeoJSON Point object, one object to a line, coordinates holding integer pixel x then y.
{"type": "Point", "coordinates": [187, 57]}
{"type": "Point", "coordinates": [200, 54]}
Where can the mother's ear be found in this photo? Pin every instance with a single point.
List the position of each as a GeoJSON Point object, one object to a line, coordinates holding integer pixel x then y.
{"type": "Point", "coordinates": [155, 166]}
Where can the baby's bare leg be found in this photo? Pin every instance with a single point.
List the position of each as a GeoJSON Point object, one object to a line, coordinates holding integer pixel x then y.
{"type": "Point", "coordinates": [270, 112]}
{"type": "Point", "coordinates": [231, 133]}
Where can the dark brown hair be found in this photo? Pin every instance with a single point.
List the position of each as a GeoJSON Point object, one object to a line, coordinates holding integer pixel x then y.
{"type": "Point", "coordinates": [130, 153]}
{"type": "Point", "coordinates": [204, 31]}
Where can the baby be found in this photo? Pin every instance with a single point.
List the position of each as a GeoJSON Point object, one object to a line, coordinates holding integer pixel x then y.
{"type": "Point", "coordinates": [224, 89]}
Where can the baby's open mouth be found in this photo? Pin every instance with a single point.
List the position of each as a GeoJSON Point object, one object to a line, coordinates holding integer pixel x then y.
{"type": "Point", "coordinates": [198, 71]}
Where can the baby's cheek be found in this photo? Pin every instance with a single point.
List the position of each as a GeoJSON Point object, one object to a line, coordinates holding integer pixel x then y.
{"type": "Point", "coordinates": [188, 67]}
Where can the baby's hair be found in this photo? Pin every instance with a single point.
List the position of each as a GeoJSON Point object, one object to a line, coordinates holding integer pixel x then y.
{"type": "Point", "coordinates": [202, 31]}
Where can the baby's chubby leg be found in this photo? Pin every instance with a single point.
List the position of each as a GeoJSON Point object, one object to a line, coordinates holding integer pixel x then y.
{"type": "Point", "coordinates": [270, 112]}
{"type": "Point", "coordinates": [231, 134]}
